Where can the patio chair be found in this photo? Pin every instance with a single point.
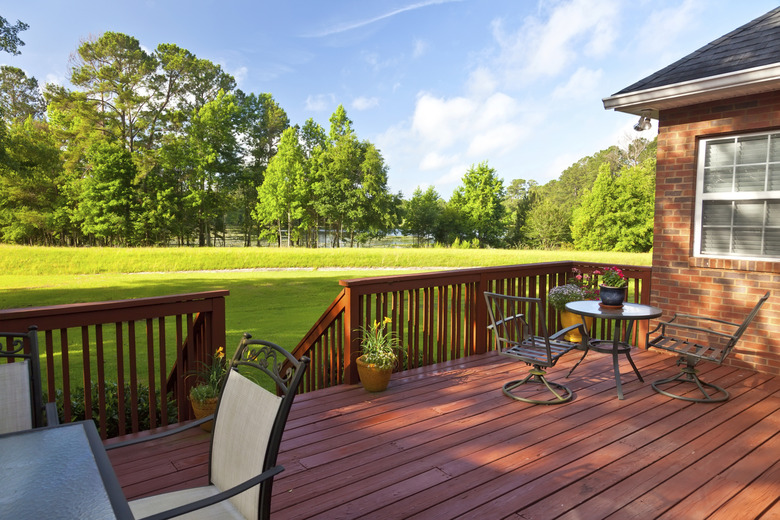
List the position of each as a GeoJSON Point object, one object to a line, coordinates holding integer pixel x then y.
{"type": "Point", "coordinates": [509, 321]}
{"type": "Point", "coordinates": [696, 338]}
{"type": "Point", "coordinates": [21, 396]}
{"type": "Point", "coordinates": [248, 426]}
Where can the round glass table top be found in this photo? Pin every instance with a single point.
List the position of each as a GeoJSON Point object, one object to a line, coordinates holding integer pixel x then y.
{"type": "Point", "coordinates": [629, 311]}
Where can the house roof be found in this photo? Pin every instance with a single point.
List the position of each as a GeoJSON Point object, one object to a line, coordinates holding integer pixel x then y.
{"type": "Point", "coordinates": [744, 61]}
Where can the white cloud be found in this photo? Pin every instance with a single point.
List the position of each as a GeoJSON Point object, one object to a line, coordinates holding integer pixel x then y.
{"type": "Point", "coordinates": [364, 103]}
{"type": "Point", "coordinates": [482, 82]}
{"type": "Point", "coordinates": [240, 74]}
{"type": "Point", "coordinates": [320, 102]}
{"type": "Point", "coordinates": [582, 84]}
{"type": "Point", "coordinates": [538, 49]}
{"type": "Point", "coordinates": [436, 161]}
{"type": "Point", "coordinates": [420, 48]}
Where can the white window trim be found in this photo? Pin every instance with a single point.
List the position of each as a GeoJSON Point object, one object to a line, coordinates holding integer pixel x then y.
{"type": "Point", "coordinates": [730, 196]}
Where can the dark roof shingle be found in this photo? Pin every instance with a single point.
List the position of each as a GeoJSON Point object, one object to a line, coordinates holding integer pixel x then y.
{"type": "Point", "coordinates": [755, 44]}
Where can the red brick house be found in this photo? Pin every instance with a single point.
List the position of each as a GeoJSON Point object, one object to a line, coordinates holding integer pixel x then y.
{"type": "Point", "coordinates": [717, 209]}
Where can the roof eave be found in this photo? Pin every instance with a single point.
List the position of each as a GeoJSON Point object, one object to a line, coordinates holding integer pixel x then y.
{"type": "Point", "coordinates": [723, 86]}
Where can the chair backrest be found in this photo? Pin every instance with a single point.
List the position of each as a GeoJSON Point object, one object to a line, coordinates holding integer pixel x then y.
{"type": "Point", "coordinates": [512, 319]}
{"type": "Point", "coordinates": [250, 420]}
{"type": "Point", "coordinates": [21, 397]}
{"type": "Point", "coordinates": [748, 319]}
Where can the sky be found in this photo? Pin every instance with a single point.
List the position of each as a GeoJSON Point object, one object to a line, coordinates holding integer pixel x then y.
{"type": "Point", "coordinates": [438, 86]}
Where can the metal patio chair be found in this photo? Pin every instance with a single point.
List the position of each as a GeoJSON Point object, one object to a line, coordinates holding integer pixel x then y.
{"type": "Point", "coordinates": [21, 394]}
{"type": "Point", "coordinates": [248, 426]}
{"type": "Point", "coordinates": [696, 338]}
{"type": "Point", "coordinates": [509, 321]}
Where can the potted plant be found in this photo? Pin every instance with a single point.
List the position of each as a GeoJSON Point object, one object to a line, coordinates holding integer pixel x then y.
{"type": "Point", "coordinates": [379, 357]}
{"type": "Point", "coordinates": [558, 297]}
{"type": "Point", "coordinates": [612, 290]}
{"type": "Point", "coordinates": [205, 394]}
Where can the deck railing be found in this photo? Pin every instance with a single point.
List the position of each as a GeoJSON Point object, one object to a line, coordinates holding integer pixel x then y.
{"type": "Point", "coordinates": [147, 346]}
{"type": "Point", "coordinates": [438, 316]}
{"type": "Point", "coordinates": [144, 346]}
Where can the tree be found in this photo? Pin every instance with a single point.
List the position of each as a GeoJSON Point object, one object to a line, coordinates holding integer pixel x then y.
{"type": "Point", "coordinates": [114, 72]}
{"type": "Point", "coordinates": [262, 122]}
{"type": "Point", "coordinates": [278, 198]}
{"type": "Point", "coordinates": [547, 224]}
{"type": "Point", "coordinates": [617, 215]}
{"type": "Point", "coordinates": [108, 201]}
{"type": "Point", "coordinates": [422, 214]}
{"type": "Point", "coordinates": [20, 96]}
{"type": "Point", "coordinates": [519, 197]}
{"type": "Point", "coordinates": [480, 199]}
{"type": "Point", "coordinates": [30, 180]}
{"type": "Point", "coordinates": [9, 36]}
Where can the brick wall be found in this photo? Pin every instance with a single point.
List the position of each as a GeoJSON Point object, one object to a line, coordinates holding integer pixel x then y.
{"type": "Point", "coordinates": [720, 288]}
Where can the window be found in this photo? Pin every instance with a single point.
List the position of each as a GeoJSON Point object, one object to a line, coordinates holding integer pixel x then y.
{"type": "Point", "coordinates": [738, 197]}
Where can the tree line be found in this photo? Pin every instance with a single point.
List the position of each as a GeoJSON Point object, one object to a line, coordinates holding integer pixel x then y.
{"type": "Point", "coordinates": [162, 148]}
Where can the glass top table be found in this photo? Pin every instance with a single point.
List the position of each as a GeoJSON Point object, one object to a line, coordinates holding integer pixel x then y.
{"type": "Point", "coordinates": [630, 313]}
{"type": "Point", "coordinates": [59, 472]}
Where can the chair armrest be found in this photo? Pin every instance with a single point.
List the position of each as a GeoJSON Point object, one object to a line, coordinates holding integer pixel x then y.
{"type": "Point", "coordinates": [700, 318]}
{"type": "Point", "coordinates": [670, 324]}
{"type": "Point", "coordinates": [569, 329]}
{"type": "Point", "coordinates": [219, 497]}
{"type": "Point", "coordinates": [52, 417]}
{"type": "Point", "coordinates": [160, 435]}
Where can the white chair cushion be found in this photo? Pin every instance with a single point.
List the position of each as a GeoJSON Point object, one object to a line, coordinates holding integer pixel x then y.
{"type": "Point", "coordinates": [148, 506]}
{"type": "Point", "coordinates": [246, 416]}
{"type": "Point", "coordinates": [15, 406]}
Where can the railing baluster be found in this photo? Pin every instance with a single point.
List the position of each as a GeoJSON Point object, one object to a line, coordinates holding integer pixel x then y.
{"type": "Point", "coordinates": [101, 382]}
{"type": "Point", "coordinates": [120, 379]}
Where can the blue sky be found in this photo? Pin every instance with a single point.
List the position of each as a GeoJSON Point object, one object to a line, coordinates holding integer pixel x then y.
{"type": "Point", "coordinates": [437, 85]}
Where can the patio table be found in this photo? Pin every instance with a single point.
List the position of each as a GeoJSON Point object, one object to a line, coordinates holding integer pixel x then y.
{"type": "Point", "coordinates": [59, 472]}
{"type": "Point", "coordinates": [630, 313]}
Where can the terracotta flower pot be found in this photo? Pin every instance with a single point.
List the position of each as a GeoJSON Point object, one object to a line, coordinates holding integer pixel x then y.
{"type": "Point", "coordinates": [568, 319]}
{"type": "Point", "coordinates": [374, 379]}
{"type": "Point", "coordinates": [204, 408]}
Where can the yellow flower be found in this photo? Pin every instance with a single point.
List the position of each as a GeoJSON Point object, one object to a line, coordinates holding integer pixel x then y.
{"type": "Point", "coordinates": [387, 320]}
{"type": "Point", "coordinates": [220, 352]}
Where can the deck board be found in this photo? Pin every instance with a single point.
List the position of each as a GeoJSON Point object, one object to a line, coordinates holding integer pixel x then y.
{"type": "Point", "coordinates": [444, 442]}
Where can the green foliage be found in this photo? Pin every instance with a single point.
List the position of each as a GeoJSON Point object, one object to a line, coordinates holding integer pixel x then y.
{"type": "Point", "coordinates": [617, 215]}
{"type": "Point", "coordinates": [480, 202]}
{"type": "Point", "coordinates": [379, 346]}
{"type": "Point", "coordinates": [9, 39]}
{"type": "Point", "coordinates": [612, 277]}
{"type": "Point", "coordinates": [78, 410]}
{"type": "Point", "coordinates": [422, 214]}
{"type": "Point", "coordinates": [210, 377]}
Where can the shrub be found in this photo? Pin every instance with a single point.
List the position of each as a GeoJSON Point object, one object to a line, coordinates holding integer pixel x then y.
{"type": "Point", "coordinates": [77, 408]}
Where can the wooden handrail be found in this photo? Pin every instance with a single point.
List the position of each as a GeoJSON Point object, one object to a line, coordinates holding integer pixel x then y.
{"type": "Point", "coordinates": [192, 325]}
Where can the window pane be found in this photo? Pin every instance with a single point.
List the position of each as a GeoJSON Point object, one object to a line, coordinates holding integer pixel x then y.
{"type": "Point", "coordinates": [774, 148]}
{"type": "Point", "coordinates": [716, 214]}
{"type": "Point", "coordinates": [772, 242]}
{"type": "Point", "coordinates": [773, 213]}
{"type": "Point", "coordinates": [715, 241]}
{"type": "Point", "coordinates": [747, 242]}
{"type": "Point", "coordinates": [719, 153]}
{"type": "Point", "coordinates": [718, 180]}
{"type": "Point", "coordinates": [774, 177]}
{"type": "Point", "coordinates": [750, 178]}
{"type": "Point", "coordinates": [751, 150]}
{"type": "Point", "coordinates": [749, 214]}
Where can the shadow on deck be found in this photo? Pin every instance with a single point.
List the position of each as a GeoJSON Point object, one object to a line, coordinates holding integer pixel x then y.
{"type": "Point", "coordinates": [444, 442]}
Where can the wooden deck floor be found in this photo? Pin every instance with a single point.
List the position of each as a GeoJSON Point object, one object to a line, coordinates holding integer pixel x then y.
{"type": "Point", "coordinates": [444, 442]}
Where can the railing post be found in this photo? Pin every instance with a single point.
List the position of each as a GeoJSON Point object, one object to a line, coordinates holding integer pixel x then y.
{"type": "Point", "coordinates": [351, 336]}
{"type": "Point", "coordinates": [479, 332]}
